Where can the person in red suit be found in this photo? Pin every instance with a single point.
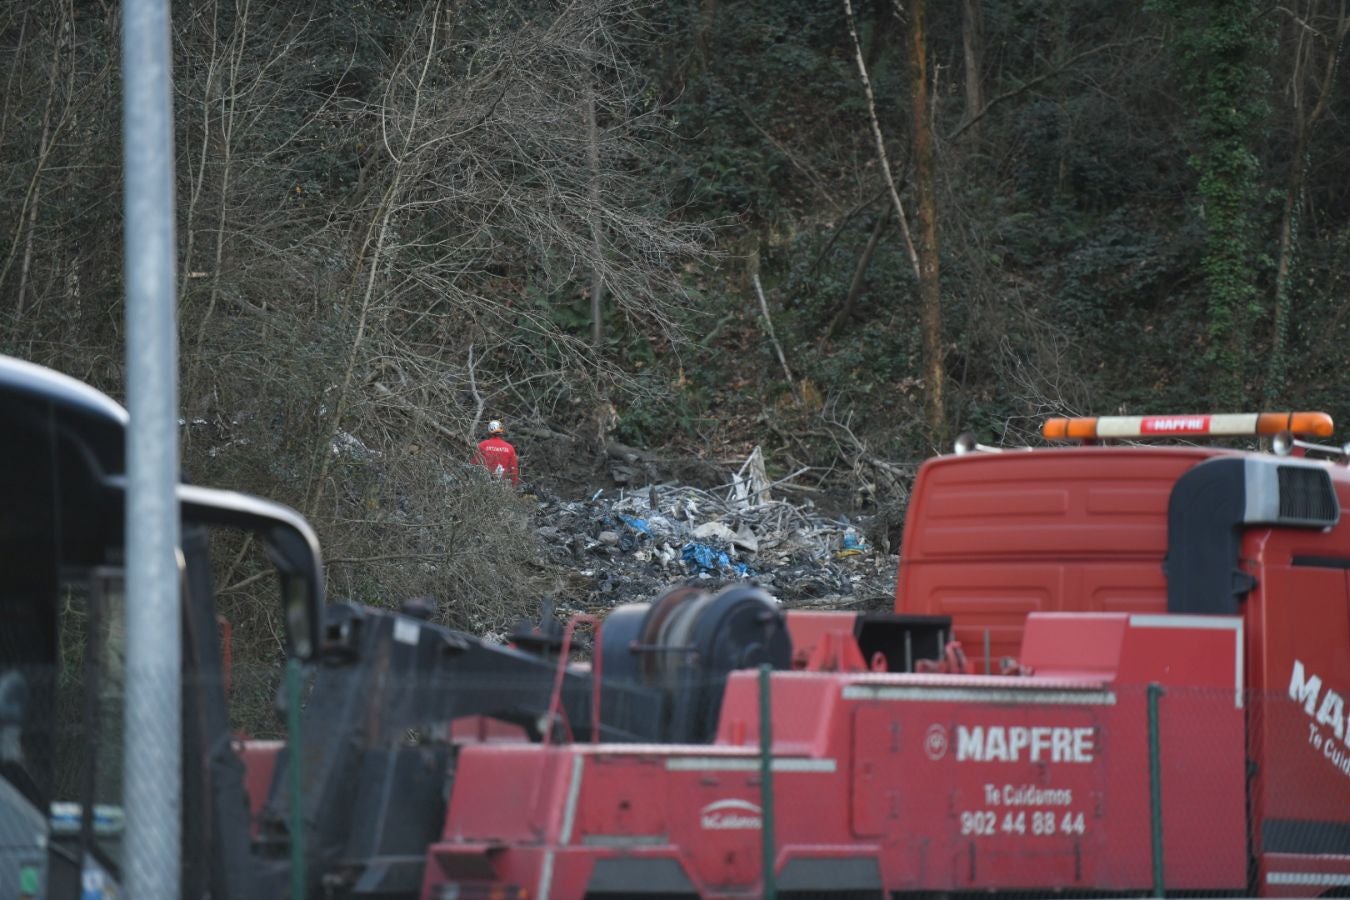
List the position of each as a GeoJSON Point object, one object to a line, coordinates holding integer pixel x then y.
{"type": "Point", "coordinates": [498, 456]}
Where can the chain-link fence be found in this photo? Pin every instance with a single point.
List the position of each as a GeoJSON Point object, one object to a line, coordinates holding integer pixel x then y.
{"type": "Point", "coordinates": [434, 765]}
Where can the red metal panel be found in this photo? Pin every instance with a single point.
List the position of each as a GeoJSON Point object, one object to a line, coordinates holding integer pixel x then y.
{"type": "Point", "coordinates": [260, 762]}
{"type": "Point", "coordinates": [483, 730]}
{"type": "Point", "coordinates": [878, 776]}
{"type": "Point", "coordinates": [996, 499]}
{"type": "Point", "coordinates": [620, 801]}
{"type": "Point", "coordinates": [1007, 783]}
{"type": "Point", "coordinates": [990, 538]}
{"type": "Point", "coordinates": [984, 599]}
{"type": "Point", "coordinates": [507, 793]}
{"type": "Point", "coordinates": [1202, 724]}
{"type": "Point", "coordinates": [1093, 500]}
{"type": "Point", "coordinates": [806, 714]}
{"type": "Point", "coordinates": [715, 819]}
{"type": "Point", "coordinates": [808, 628]}
{"type": "Point", "coordinates": [1301, 739]}
{"type": "Point", "coordinates": [999, 814]}
{"type": "Point", "coordinates": [1074, 643]}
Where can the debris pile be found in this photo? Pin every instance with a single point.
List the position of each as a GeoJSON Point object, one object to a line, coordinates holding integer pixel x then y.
{"type": "Point", "coordinates": [631, 546]}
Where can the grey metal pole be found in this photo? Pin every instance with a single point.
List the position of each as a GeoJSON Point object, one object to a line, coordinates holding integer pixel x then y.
{"type": "Point", "coordinates": [296, 756]}
{"type": "Point", "coordinates": [152, 771]}
{"type": "Point", "coordinates": [768, 851]}
{"type": "Point", "coordinates": [1155, 691]}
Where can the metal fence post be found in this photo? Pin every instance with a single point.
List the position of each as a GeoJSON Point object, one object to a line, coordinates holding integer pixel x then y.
{"type": "Point", "coordinates": [152, 768]}
{"type": "Point", "coordinates": [766, 780]}
{"type": "Point", "coordinates": [1155, 789]}
{"type": "Point", "coordinates": [294, 756]}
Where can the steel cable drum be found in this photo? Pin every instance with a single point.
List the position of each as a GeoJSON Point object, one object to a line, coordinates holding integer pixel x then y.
{"type": "Point", "coordinates": [644, 649]}
{"type": "Point", "coordinates": [621, 630]}
{"type": "Point", "coordinates": [683, 645]}
{"type": "Point", "coordinates": [635, 639]}
{"type": "Point", "coordinates": [654, 632]}
{"type": "Point", "coordinates": [625, 701]}
{"type": "Point", "coordinates": [740, 627]}
{"type": "Point", "coordinates": [675, 632]}
{"type": "Point", "coordinates": [675, 667]}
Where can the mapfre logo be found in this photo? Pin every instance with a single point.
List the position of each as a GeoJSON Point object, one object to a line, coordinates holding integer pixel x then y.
{"type": "Point", "coordinates": [1327, 709]}
{"type": "Point", "coordinates": [935, 742]}
{"type": "Point", "coordinates": [1172, 424]}
{"type": "Point", "coordinates": [726, 815]}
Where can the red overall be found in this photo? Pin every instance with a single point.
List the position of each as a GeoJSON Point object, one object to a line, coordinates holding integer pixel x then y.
{"type": "Point", "coordinates": [499, 458]}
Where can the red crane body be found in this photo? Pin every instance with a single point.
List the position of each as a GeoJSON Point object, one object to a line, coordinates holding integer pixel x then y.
{"type": "Point", "coordinates": [1061, 561]}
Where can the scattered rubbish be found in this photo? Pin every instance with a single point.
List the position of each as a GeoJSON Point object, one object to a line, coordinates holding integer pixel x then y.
{"type": "Point", "coordinates": [746, 539]}
{"type": "Point", "coordinates": [704, 557]}
{"type": "Point", "coordinates": [636, 524]}
{"type": "Point", "coordinates": [851, 544]}
{"type": "Point", "coordinates": [714, 530]}
{"type": "Point", "coordinates": [750, 485]}
{"type": "Point", "coordinates": [631, 547]}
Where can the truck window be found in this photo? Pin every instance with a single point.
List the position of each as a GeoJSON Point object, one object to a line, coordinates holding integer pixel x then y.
{"type": "Point", "coordinates": [90, 694]}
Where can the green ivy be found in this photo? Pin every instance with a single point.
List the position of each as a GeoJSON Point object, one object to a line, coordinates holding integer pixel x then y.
{"type": "Point", "coordinates": [1222, 48]}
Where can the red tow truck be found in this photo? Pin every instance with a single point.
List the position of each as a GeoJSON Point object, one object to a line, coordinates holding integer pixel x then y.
{"type": "Point", "coordinates": [1189, 599]}
{"type": "Point", "coordinates": [1113, 667]}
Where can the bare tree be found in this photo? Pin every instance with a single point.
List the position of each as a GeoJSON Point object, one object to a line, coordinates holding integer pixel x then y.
{"type": "Point", "coordinates": [55, 115]}
{"type": "Point", "coordinates": [971, 55]}
{"type": "Point", "coordinates": [924, 258]}
{"type": "Point", "coordinates": [1318, 37]}
{"type": "Point", "coordinates": [925, 176]}
{"type": "Point", "coordinates": [883, 158]}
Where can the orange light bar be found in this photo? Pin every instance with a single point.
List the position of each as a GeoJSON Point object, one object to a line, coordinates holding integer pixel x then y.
{"type": "Point", "coordinates": [1311, 424]}
{"type": "Point", "coordinates": [1088, 428]}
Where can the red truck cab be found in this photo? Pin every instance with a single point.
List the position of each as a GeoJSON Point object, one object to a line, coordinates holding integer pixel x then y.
{"type": "Point", "coordinates": [994, 540]}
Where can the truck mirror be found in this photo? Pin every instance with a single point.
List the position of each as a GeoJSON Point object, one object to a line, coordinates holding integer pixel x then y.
{"type": "Point", "coordinates": [290, 544]}
{"type": "Point", "coordinates": [289, 549]}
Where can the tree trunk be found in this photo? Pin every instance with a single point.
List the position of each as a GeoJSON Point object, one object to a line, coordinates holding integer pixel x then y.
{"type": "Point", "coordinates": [930, 305]}
{"type": "Point", "coordinates": [971, 47]}
{"type": "Point", "coordinates": [859, 275]}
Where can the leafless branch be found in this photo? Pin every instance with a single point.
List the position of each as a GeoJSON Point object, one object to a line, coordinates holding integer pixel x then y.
{"type": "Point", "coordinates": [882, 158]}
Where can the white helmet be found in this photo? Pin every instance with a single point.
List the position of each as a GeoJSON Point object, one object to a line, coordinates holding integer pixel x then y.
{"type": "Point", "coordinates": [495, 427]}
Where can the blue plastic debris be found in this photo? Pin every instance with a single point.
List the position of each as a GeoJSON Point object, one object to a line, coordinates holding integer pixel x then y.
{"type": "Point", "coordinates": [709, 559]}
{"type": "Point", "coordinates": [851, 545]}
{"type": "Point", "coordinates": [636, 524]}
{"type": "Point", "coordinates": [704, 557]}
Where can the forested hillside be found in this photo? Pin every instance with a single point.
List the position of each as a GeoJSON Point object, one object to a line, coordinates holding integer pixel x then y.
{"type": "Point", "coordinates": [842, 230]}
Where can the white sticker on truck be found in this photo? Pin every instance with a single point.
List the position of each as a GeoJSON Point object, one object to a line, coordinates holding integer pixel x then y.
{"type": "Point", "coordinates": [1326, 709]}
{"type": "Point", "coordinates": [1017, 743]}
